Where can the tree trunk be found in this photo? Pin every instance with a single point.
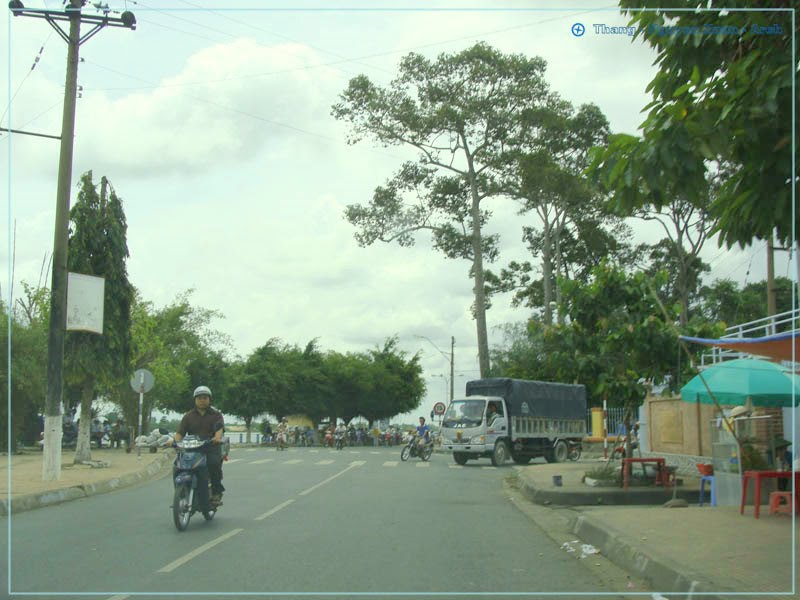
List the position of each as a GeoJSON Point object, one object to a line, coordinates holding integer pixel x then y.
{"type": "Point", "coordinates": [558, 270]}
{"type": "Point", "coordinates": [547, 274]}
{"type": "Point", "coordinates": [248, 422]}
{"type": "Point", "coordinates": [83, 449]}
{"type": "Point", "coordinates": [480, 286]}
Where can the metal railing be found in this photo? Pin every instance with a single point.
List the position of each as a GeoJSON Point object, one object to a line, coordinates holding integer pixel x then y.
{"type": "Point", "coordinates": [780, 323]}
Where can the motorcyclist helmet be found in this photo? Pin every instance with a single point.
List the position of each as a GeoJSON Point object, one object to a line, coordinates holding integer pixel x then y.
{"type": "Point", "coordinates": [202, 390]}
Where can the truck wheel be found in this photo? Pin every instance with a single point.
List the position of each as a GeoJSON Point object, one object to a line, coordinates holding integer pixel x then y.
{"type": "Point", "coordinates": [560, 451]}
{"type": "Point", "coordinates": [460, 458]}
{"type": "Point", "coordinates": [500, 454]}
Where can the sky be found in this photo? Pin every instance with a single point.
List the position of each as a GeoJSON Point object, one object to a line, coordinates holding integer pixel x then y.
{"type": "Point", "coordinates": [212, 122]}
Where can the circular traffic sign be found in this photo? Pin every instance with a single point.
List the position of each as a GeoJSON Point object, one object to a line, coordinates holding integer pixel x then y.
{"type": "Point", "coordinates": [439, 408]}
{"type": "Point", "coordinates": [142, 381]}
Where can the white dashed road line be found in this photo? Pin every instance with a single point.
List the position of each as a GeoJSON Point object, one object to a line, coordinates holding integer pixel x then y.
{"type": "Point", "coordinates": [197, 551]}
{"type": "Point", "coordinates": [233, 460]}
{"type": "Point", "coordinates": [325, 462]}
{"type": "Point", "coordinates": [355, 463]}
{"type": "Point", "coordinates": [274, 510]}
{"type": "Point", "coordinates": [261, 462]}
{"type": "Point", "coordinates": [391, 463]}
{"type": "Point", "coordinates": [294, 461]}
{"type": "Point", "coordinates": [424, 464]}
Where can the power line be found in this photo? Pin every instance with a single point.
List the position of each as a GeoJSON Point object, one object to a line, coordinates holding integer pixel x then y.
{"type": "Point", "coordinates": [28, 74]}
{"type": "Point", "coordinates": [359, 58]}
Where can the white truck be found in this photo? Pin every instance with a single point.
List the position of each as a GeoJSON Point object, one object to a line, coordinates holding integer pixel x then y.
{"type": "Point", "coordinates": [530, 419]}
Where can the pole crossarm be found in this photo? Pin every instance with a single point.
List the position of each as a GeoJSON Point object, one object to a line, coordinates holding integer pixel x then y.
{"type": "Point", "coordinates": [19, 131]}
{"type": "Point", "coordinates": [442, 352]}
{"type": "Point", "coordinates": [127, 19]}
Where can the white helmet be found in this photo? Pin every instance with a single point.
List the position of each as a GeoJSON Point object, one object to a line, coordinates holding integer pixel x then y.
{"type": "Point", "coordinates": [202, 390]}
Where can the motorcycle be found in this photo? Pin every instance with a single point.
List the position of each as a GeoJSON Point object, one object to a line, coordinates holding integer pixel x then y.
{"type": "Point", "coordinates": [339, 441]}
{"type": "Point", "coordinates": [280, 441]}
{"type": "Point", "coordinates": [574, 450]}
{"type": "Point", "coordinates": [413, 448]}
{"type": "Point", "coordinates": [191, 457]}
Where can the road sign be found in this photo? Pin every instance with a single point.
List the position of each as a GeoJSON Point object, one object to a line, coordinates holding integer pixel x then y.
{"type": "Point", "coordinates": [439, 408]}
{"type": "Point", "coordinates": [142, 381]}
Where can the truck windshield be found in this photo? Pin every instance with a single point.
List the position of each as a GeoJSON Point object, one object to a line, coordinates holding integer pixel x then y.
{"type": "Point", "coordinates": [464, 413]}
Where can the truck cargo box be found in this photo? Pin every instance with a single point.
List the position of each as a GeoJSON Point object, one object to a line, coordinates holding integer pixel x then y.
{"type": "Point", "coordinates": [534, 398]}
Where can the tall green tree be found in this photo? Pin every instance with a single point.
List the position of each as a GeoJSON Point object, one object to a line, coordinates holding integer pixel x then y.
{"type": "Point", "coordinates": [721, 104]}
{"type": "Point", "coordinates": [98, 246]}
{"type": "Point", "coordinates": [458, 111]}
{"type": "Point", "coordinates": [546, 167]}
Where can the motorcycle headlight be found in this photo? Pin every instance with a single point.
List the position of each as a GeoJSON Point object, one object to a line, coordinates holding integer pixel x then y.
{"type": "Point", "coordinates": [478, 439]}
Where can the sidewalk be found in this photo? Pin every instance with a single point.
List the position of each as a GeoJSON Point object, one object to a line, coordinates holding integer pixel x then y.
{"type": "Point", "coordinates": [116, 469]}
{"type": "Point", "coordinates": [708, 550]}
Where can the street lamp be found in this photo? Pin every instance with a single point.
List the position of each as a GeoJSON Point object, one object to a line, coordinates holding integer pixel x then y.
{"type": "Point", "coordinates": [450, 356]}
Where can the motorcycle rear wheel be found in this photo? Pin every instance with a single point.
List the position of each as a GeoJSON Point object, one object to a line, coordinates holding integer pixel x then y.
{"type": "Point", "coordinates": [574, 453]}
{"type": "Point", "coordinates": [406, 452]}
{"type": "Point", "coordinates": [426, 453]}
{"type": "Point", "coordinates": [181, 511]}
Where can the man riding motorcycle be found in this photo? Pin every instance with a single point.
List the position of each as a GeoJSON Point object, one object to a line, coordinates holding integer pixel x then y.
{"type": "Point", "coordinates": [423, 434]}
{"type": "Point", "coordinates": [206, 422]}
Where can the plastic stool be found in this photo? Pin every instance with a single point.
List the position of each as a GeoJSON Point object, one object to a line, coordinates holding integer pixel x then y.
{"type": "Point", "coordinates": [712, 485]}
{"type": "Point", "coordinates": [775, 503]}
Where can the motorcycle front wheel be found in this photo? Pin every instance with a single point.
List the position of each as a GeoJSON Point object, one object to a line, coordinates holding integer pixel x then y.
{"type": "Point", "coordinates": [405, 453]}
{"type": "Point", "coordinates": [181, 511]}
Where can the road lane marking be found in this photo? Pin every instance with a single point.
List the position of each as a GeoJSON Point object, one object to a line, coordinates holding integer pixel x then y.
{"type": "Point", "coordinates": [314, 451]}
{"type": "Point", "coordinates": [374, 452]}
{"type": "Point", "coordinates": [119, 597]}
{"type": "Point", "coordinates": [261, 462]}
{"type": "Point", "coordinates": [391, 463]}
{"type": "Point", "coordinates": [233, 460]}
{"type": "Point", "coordinates": [488, 467]}
{"type": "Point", "coordinates": [355, 451]}
{"type": "Point", "coordinates": [197, 551]}
{"type": "Point", "coordinates": [325, 462]}
{"type": "Point", "coordinates": [274, 510]}
{"type": "Point", "coordinates": [456, 466]}
{"type": "Point", "coordinates": [425, 464]}
{"type": "Point", "coordinates": [354, 464]}
{"type": "Point", "coordinates": [294, 461]}
{"type": "Point", "coordinates": [251, 449]}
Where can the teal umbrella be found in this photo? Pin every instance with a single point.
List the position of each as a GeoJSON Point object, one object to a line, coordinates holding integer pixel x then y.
{"type": "Point", "coordinates": [732, 382]}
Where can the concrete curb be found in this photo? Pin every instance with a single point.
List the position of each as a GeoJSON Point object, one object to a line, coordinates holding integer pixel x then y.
{"type": "Point", "coordinates": [660, 572]}
{"type": "Point", "coordinates": [40, 500]}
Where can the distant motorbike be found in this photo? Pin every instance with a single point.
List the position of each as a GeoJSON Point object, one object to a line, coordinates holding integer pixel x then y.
{"type": "Point", "coordinates": [574, 451]}
{"type": "Point", "coordinates": [280, 441]}
{"type": "Point", "coordinates": [413, 448]}
{"type": "Point", "coordinates": [328, 439]}
{"type": "Point", "coordinates": [190, 459]}
{"type": "Point", "coordinates": [339, 441]}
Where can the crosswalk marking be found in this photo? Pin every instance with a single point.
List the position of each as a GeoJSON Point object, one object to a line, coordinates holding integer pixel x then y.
{"type": "Point", "coordinates": [262, 461]}
{"type": "Point", "coordinates": [391, 463]}
{"type": "Point", "coordinates": [424, 464]}
{"type": "Point", "coordinates": [325, 462]}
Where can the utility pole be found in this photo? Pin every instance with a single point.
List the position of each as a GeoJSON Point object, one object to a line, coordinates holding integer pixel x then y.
{"type": "Point", "coordinates": [452, 373]}
{"type": "Point", "coordinates": [772, 308]}
{"type": "Point", "coordinates": [51, 463]}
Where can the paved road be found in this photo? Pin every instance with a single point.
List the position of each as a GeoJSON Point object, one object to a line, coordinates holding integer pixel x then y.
{"type": "Point", "coordinates": [300, 521]}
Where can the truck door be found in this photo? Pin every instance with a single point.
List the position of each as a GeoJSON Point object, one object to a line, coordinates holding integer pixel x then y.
{"type": "Point", "coordinates": [496, 421]}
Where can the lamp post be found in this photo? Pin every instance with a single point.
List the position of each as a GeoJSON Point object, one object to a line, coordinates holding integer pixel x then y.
{"type": "Point", "coordinates": [449, 356]}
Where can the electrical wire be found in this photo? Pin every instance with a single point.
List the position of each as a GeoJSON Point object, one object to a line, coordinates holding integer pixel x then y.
{"type": "Point", "coordinates": [364, 57]}
{"type": "Point", "coordinates": [36, 60]}
{"type": "Point", "coordinates": [41, 114]}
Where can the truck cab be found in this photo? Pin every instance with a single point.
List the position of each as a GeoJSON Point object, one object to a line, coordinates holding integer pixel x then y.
{"type": "Point", "coordinates": [470, 429]}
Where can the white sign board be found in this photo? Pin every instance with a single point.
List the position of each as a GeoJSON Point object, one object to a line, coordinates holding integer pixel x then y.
{"type": "Point", "coordinates": [85, 301]}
